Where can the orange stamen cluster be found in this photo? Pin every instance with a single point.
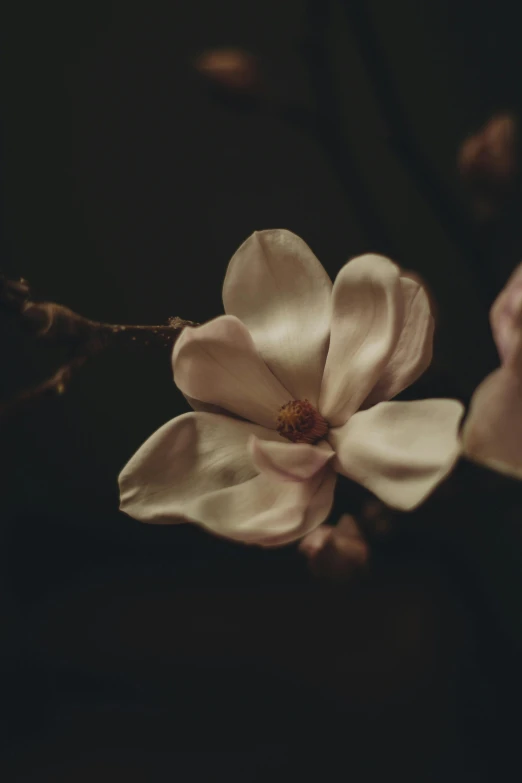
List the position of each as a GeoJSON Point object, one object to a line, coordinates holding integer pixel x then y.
{"type": "Point", "coordinates": [299, 422]}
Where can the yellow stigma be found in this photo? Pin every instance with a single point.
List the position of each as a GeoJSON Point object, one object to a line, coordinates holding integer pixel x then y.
{"type": "Point", "coordinates": [299, 422]}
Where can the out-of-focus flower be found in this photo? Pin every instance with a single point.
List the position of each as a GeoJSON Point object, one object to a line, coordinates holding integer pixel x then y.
{"type": "Point", "coordinates": [338, 552]}
{"type": "Point", "coordinates": [488, 163]}
{"type": "Point", "coordinates": [291, 387]}
{"type": "Point", "coordinates": [234, 70]}
{"type": "Point", "coordinates": [492, 432]}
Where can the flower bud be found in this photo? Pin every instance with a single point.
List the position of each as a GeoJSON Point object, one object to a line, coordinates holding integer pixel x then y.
{"type": "Point", "coordinates": [488, 163]}
{"type": "Point", "coordinates": [233, 70]}
{"type": "Point", "coordinates": [336, 553]}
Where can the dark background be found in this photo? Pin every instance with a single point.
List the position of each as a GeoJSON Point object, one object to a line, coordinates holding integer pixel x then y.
{"type": "Point", "coordinates": [142, 653]}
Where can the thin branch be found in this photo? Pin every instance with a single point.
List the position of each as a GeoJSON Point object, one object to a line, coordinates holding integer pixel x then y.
{"type": "Point", "coordinates": [46, 325]}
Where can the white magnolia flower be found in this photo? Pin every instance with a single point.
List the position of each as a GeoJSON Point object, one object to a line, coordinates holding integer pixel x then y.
{"type": "Point", "coordinates": [290, 388]}
{"type": "Point", "coordinates": [492, 432]}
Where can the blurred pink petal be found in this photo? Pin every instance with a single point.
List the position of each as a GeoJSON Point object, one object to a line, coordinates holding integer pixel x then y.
{"type": "Point", "coordinates": [506, 317]}
{"type": "Point", "coordinates": [492, 433]}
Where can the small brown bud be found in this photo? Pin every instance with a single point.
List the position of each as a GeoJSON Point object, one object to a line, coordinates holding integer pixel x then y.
{"type": "Point", "coordinates": [336, 553]}
{"type": "Point", "coordinates": [488, 163]}
{"type": "Point", "coordinates": [234, 70]}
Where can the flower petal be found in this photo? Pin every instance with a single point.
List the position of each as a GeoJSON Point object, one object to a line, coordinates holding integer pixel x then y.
{"type": "Point", "coordinates": [413, 353]}
{"type": "Point", "coordinates": [196, 469]}
{"type": "Point", "coordinates": [218, 363]}
{"type": "Point", "coordinates": [366, 321]}
{"type": "Point", "coordinates": [506, 317]}
{"type": "Point", "coordinates": [280, 291]}
{"type": "Point", "coordinates": [399, 450]}
{"type": "Point", "coordinates": [267, 512]}
{"type": "Point", "coordinates": [288, 461]}
{"type": "Point", "coordinates": [205, 407]}
{"type": "Point", "coordinates": [191, 455]}
{"type": "Point", "coordinates": [492, 432]}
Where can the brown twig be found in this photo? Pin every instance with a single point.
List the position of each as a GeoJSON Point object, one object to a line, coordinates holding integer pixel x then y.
{"type": "Point", "coordinates": [64, 339]}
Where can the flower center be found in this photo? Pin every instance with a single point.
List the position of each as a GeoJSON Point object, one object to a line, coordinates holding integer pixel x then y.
{"type": "Point", "coordinates": [299, 422]}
